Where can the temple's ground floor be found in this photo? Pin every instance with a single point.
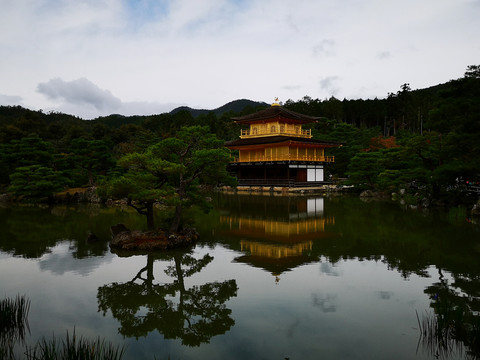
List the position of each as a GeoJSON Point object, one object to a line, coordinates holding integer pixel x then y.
{"type": "Point", "coordinates": [280, 173]}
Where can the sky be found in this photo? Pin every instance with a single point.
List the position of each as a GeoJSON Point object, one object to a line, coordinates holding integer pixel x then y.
{"type": "Point", "coordinates": [92, 58]}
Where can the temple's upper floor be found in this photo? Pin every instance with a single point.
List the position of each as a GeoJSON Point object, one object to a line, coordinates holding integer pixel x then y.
{"type": "Point", "coordinates": [275, 121]}
{"type": "Point", "coordinates": [275, 128]}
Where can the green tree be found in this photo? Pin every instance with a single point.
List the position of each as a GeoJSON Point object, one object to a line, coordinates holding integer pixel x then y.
{"type": "Point", "coordinates": [29, 150]}
{"type": "Point", "coordinates": [473, 71]}
{"type": "Point", "coordinates": [92, 157]}
{"type": "Point", "coordinates": [355, 140]}
{"type": "Point", "coordinates": [36, 182]}
{"type": "Point", "coordinates": [171, 171]}
{"type": "Point", "coordinates": [364, 169]}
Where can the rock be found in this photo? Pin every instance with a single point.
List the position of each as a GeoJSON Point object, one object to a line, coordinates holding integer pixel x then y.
{"type": "Point", "coordinates": [374, 195]}
{"type": "Point", "coordinates": [138, 240]}
{"type": "Point", "coordinates": [476, 209]}
{"type": "Point", "coordinates": [91, 196]}
{"type": "Point", "coordinates": [79, 195]}
{"type": "Point", "coordinates": [92, 237]}
{"type": "Point", "coordinates": [111, 202]}
{"type": "Point", "coordinates": [76, 197]}
{"type": "Point", "coordinates": [117, 229]}
{"type": "Point", "coordinates": [366, 193]}
{"type": "Point", "coordinates": [5, 198]}
{"type": "Point", "coordinates": [425, 203]}
{"type": "Point", "coordinates": [153, 240]}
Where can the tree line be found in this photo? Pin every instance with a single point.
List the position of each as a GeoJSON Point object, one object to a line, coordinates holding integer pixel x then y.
{"type": "Point", "coordinates": [425, 141]}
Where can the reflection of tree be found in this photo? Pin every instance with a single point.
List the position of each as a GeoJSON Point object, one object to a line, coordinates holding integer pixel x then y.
{"type": "Point", "coordinates": [193, 315]}
{"type": "Point", "coordinates": [456, 319]}
{"type": "Point", "coordinates": [31, 231]}
{"type": "Point", "coordinates": [406, 241]}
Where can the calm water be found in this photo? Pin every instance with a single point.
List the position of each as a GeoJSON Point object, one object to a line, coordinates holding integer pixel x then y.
{"type": "Point", "coordinates": [271, 278]}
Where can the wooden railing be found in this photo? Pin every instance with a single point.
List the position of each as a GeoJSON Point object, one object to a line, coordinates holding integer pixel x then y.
{"type": "Point", "coordinates": [279, 182]}
{"type": "Point", "coordinates": [248, 134]}
{"type": "Point", "coordinates": [266, 182]}
{"type": "Point", "coordinates": [285, 158]}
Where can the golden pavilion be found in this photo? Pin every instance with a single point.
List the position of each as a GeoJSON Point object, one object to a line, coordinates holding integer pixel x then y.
{"type": "Point", "coordinates": [275, 150]}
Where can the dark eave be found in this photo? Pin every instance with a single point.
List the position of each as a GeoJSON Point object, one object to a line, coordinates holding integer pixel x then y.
{"type": "Point", "coordinates": [274, 112]}
{"type": "Point", "coordinates": [279, 139]}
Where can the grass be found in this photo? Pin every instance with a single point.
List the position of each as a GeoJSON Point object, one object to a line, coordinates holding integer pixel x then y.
{"type": "Point", "coordinates": [13, 324]}
{"type": "Point", "coordinates": [14, 314]}
{"type": "Point", "coordinates": [455, 333]}
{"type": "Point", "coordinates": [74, 348]}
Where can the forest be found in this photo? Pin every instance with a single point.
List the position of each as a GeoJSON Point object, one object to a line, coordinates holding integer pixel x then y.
{"type": "Point", "coordinates": [425, 142]}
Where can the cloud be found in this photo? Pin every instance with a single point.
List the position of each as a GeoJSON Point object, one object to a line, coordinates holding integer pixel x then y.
{"type": "Point", "coordinates": [10, 100]}
{"type": "Point", "coordinates": [149, 53]}
{"type": "Point", "coordinates": [328, 84]}
{"type": "Point", "coordinates": [79, 92]}
{"type": "Point", "coordinates": [324, 48]}
{"type": "Point", "coordinates": [291, 87]}
{"type": "Point", "coordinates": [384, 55]}
{"type": "Point", "coordinates": [85, 99]}
{"type": "Point", "coordinates": [147, 108]}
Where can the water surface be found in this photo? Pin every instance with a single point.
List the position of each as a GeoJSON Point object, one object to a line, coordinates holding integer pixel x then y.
{"type": "Point", "coordinates": [272, 278]}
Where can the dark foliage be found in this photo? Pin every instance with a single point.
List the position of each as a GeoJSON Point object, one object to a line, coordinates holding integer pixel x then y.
{"type": "Point", "coordinates": [435, 134]}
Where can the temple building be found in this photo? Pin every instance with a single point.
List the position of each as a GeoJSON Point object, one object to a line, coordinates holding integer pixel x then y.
{"type": "Point", "coordinates": [275, 150]}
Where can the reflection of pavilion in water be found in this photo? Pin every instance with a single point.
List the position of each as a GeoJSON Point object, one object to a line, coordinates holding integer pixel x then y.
{"type": "Point", "coordinates": [276, 233]}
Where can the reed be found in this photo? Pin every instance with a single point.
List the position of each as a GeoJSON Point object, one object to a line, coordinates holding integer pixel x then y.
{"type": "Point", "coordinates": [13, 324]}
{"type": "Point", "coordinates": [14, 313]}
{"type": "Point", "coordinates": [452, 334]}
{"type": "Point", "coordinates": [74, 348]}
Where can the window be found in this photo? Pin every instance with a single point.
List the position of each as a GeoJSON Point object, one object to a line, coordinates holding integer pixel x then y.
{"type": "Point", "coordinates": [273, 129]}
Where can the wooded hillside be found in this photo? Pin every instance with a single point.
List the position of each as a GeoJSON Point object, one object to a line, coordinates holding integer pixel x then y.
{"type": "Point", "coordinates": [425, 140]}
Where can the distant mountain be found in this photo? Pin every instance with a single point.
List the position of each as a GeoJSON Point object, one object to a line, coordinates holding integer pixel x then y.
{"type": "Point", "coordinates": [194, 112]}
{"type": "Point", "coordinates": [116, 120]}
{"type": "Point", "coordinates": [235, 106]}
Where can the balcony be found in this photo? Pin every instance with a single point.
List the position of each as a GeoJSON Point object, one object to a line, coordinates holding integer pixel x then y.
{"type": "Point", "coordinates": [329, 159]}
{"type": "Point", "coordinates": [245, 134]}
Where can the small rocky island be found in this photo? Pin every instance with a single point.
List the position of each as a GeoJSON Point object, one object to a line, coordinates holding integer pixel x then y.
{"type": "Point", "coordinates": [151, 240]}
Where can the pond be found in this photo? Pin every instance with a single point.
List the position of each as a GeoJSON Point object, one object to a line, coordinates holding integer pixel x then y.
{"type": "Point", "coordinates": [272, 277]}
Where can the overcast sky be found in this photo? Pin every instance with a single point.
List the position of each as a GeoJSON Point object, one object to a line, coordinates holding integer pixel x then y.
{"type": "Point", "coordinates": [97, 57]}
